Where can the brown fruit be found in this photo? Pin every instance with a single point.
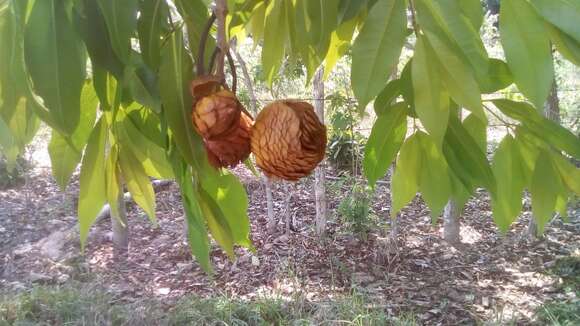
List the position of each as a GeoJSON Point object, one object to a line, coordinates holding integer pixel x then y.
{"type": "Point", "coordinates": [288, 140]}
{"type": "Point", "coordinates": [218, 118]}
{"type": "Point", "coordinates": [232, 148]}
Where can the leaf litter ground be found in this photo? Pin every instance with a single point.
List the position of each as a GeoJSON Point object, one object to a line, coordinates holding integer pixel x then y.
{"type": "Point", "coordinates": [489, 277]}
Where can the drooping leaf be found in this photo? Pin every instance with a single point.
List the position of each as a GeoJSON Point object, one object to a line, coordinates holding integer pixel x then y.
{"type": "Point", "coordinates": [348, 9]}
{"type": "Point", "coordinates": [543, 128]}
{"type": "Point", "coordinates": [113, 180]}
{"type": "Point", "coordinates": [406, 176]}
{"type": "Point", "coordinates": [477, 129]}
{"type": "Point", "coordinates": [507, 168]}
{"type": "Point", "coordinates": [196, 230]}
{"type": "Point", "coordinates": [545, 188]}
{"type": "Point", "coordinates": [151, 156]}
{"type": "Point", "coordinates": [561, 13]}
{"type": "Point", "coordinates": [230, 197]}
{"type": "Point", "coordinates": [466, 158]}
{"type": "Point", "coordinates": [152, 22]}
{"type": "Point", "coordinates": [175, 74]}
{"type": "Point", "coordinates": [457, 78]}
{"type": "Point", "coordinates": [216, 222]}
{"type": "Point", "coordinates": [137, 182]}
{"type": "Point", "coordinates": [92, 193]}
{"type": "Point", "coordinates": [473, 10]}
{"type": "Point", "coordinates": [387, 96]}
{"type": "Point", "coordinates": [498, 77]}
{"type": "Point", "coordinates": [66, 151]}
{"type": "Point", "coordinates": [56, 61]}
{"type": "Point", "coordinates": [377, 48]}
{"type": "Point", "coordinates": [431, 101]}
{"type": "Point", "coordinates": [434, 181]}
{"type": "Point", "coordinates": [339, 45]}
{"type": "Point", "coordinates": [527, 48]}
{"type": "Point", "coordinates": [274, 39]}
{"type": "Point", "coordinates": [569, 173]}
{"type": "Point", "coordinates": [444, 22]}
{"type": "Point", "coordinates": [121, 20]}
{"type": "Point", "coordinates": [386, 138]}
{"type": "Point", "coordinates": [566, 45]}
{"type": "Point", "coordinates": [93, 29]}
{"type": "Point", "coordinates": [143, 86]}
{"type": "Point", "coordinates": [196, 13]}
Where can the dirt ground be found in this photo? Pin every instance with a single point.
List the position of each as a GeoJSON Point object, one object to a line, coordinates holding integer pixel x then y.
{"type": "Point", "coordinates": [489, 277]}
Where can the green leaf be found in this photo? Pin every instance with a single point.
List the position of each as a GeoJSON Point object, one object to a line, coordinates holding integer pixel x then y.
{"type": "Point", "coordinates": [195, 13]}
{"type": "Point", "coordinates": [93, 28]}
{"type": "Point", "coordinates": [431, 101]}
{"type": "Point", "coordinates": [113, 180]}
{"type": "Point", "coordinates": [527, 49]}
{"type": "Point", "coordinates": [348, 9]}
{"type": "Point", "coordinates": [569, 173]}
{"type": "Point", "coordinates": [406, 176]}
{"type": "Point", "coordinates": [175, 74]}
{"type": "Point", "coordinates": [274, 39]}
{"type": "Point", "coordinates": [477, 129]}
{"type": "Point", "coordinates": [121, 19]}
{"type": "Point", "coordinates": [216, 222]}
{"type": "Point", "coordinates": [466, 158]}
{"type": "Point", "coordinates": [498, 77]}
{"type": "Point", "coordinates": [541, 127]}
{"type": "Point", "coordinates": [151, 156]}
{"type": "Point", "coordinates": [509, 176]}
{"type": "Point", "coordinates": [143, 85]}
{"type": "Point", "coordinates": [434, 181]}
{"type": "Point", "coordinates": [92, 193]}
{"type": "Point", "coordinates": [566, 45]}
{"type": "Point", "coordinates": [230, 197]}
{"type": "Point", "coordinates": [137, 181]}
{"type": "Point", "coordinates": [196, 229]}
{"type": "Point", "coordinates": [152, 22]}
{"type": "Point", "coordinates": [546, 186]}
{"type": "Point", "coordinates": [386, 138]}
{"type": "Point", "coordinates": [56, 61]}
{"type": "Point", "coordinates": [8, 145]}
{"type": "Point", "coordinates": [448, 20]}
{"type": "Point", "coordinates": [339, 45]}
{"type": "Point", "coordinates": [387, 96]}
{"type": "Point", "coordinates": [473, 10]}
{"type": "Point", "coordinates": [562, 13]}
{"type": "Point", "coordinates": [66, 152]}
{"type": "Point", "coordinates": [377, 48]}
{"type": "Point", "coordinates": [457, 78]}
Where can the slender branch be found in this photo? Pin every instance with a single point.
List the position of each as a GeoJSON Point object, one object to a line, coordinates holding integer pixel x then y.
{"type": "Point", "coordinates": [221, 10]}
{"type": "Point", "coordinates": [202, 43]}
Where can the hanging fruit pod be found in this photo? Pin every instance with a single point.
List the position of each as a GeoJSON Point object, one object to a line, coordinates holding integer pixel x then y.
{"type": "Point", "coordinates": [217, 115]}
{"type": "Point", "coordinates": [219, 118]}
{"type": "Point", "coordinates": [288, 140]}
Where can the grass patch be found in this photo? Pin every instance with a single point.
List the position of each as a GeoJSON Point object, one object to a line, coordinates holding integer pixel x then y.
{"type": "Point", "coordinates": [78, 304]}
{"type": "Point", "coordinates": [560, 313]}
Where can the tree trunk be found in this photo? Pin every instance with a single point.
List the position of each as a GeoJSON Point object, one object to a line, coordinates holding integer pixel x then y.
{"type": "Point", "coordinates": [287, 211]}
{"type": "Point", "coordinates": [451, 214]}
{"type": "Point", "coordinates": [319, 187]}
{"type": "Point", "coordinates": [120, 229]}
{"type": "Point", "coordinates": [451, 226]}
{"type": "Point", "coordinates": [552, 112]}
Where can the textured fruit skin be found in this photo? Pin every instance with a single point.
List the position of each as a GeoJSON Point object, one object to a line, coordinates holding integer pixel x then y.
{"type": "Point", "coordinates": [288, 140]}
{"type": "Point", "coordinates": [219, 119]}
